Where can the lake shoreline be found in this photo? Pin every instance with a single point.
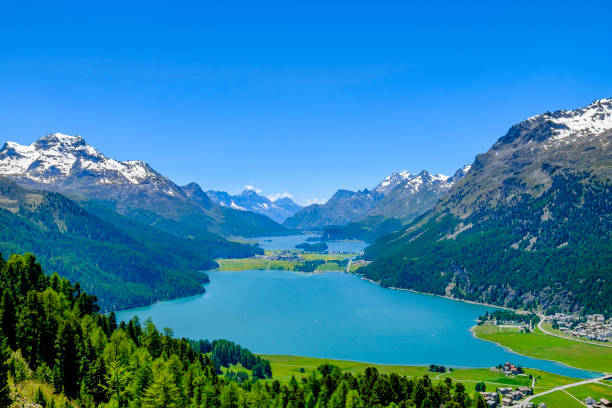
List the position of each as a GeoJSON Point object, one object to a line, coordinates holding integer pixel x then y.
{"type": "Point", "coordinates": [526, 355]}
{"type": "Point", "coordinates": [433, 294]}
{"type": "Point", "coordinates": [338, 318]}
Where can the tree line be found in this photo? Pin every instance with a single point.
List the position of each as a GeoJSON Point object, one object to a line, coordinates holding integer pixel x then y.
{"type": "Point", "coordinates": [53, 335]}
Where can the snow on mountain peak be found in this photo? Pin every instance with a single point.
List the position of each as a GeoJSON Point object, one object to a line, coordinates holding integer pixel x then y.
{"type": "Point", "coordinates": [392, 181]}
{"type": "Point", "coordinates": [592, 119]}
{"type": "Point", "coordinates": [58, 156]}
{"type": "Point", "coordinates": [413, 182]}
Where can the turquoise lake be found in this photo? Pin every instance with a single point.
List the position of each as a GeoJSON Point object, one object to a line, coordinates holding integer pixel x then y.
{"type": "Point", "coordinates": [335, 315]}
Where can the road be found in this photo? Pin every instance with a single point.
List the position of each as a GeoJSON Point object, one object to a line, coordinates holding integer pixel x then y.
{"type": "Point", "coordinates": [567, 338]}
{"type": "Point", "coordinates": [563, 387]}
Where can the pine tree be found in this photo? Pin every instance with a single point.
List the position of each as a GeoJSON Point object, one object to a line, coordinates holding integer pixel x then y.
{"type": "Point", "coordinates": [163, 392]}
{"type": "Point", "coordinates": [67, 358]}
{"type": "Point", "coordinates": [480, 402]}
{"type": "Point", "coordinates": [5, 393]}
{"type": "Point", "coordinates": [8, 318]}
{"type": "Point", "coordinates": [117, 381]}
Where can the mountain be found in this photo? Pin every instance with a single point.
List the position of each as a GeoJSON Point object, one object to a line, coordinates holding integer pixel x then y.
{"type": "Point", "coordinates": [412, 194]}
{"type": "Point", "coordinates": [343, 207]}
{"type": "Point", "coordinates": [69, 165]}
{"type": "Point", "coordinates": [530, 224]}
{"type": "Point", "coordinates": [366, 214]}
{"type": "Point", "coordinates": [249, 200]}
{"type": "Point", "coordinates": [128, 266]}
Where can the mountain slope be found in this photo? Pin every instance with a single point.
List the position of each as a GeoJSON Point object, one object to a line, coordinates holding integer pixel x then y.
{"type": "Point", "coordinates": [127, 266]}
{"type": "Point", "coordinates": [530, 225]}
{"type": "Point", "coordinates": [67, 164]}
{"type": "Point", "coordinates": [249, 200]}
{"type": "Point", "coordinates": [414, 195]}
{"type": "Point", "coordinates": [343, 207]}
{"type": "Point", "coordinates": [368, 214]}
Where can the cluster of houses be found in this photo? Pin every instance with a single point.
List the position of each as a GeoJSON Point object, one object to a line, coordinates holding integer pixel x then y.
{"type": "Point", "coordinates": [511, 369]}
{"type": "Point", "coordinates": [284, 256]}
{"type": "Point", "coordinates": [509, 397]}
{"type": "Point", "coordinates": [602, 403]}
{"type": "Point", "coordinates": [508, 369]}
{"type": "Point", "coordinates": [593, 327]}
{"type": "Point", "coordinates": [521, 325]}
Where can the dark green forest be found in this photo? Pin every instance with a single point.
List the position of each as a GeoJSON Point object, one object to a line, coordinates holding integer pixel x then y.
{"type": "Point", "coordinates": [316, 247]}
{"type": "Point", "coordinates": [552, 250]}
{"type": "Point", "coordinates": [128, 263]}
{"type": "Point", "coordinates": [368, 230]}
{"type": "Point", "coordinates": [53, 337]}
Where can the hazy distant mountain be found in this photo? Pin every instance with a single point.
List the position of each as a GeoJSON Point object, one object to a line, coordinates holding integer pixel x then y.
{"type": "Point", "coordinates": [402, 196]}
{"type": "Point", "coordinates": [530, 224]}
{"type": "Point", "coordinates": [69, 165]}
{"type": "Point", "coordinates": [343, 207]}
{"type": "Point", "coordinates": [249, 200]}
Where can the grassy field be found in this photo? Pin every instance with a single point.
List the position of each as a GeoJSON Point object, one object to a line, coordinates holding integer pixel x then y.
{"type": "Point", "coordinates": [283, 367]}
{"type": "Point", "coordinates": [540, 345]}
{"type": "Point", "coordinates": [593, 390]}
{"type": "Point", "coordinates": [244, 264]}
{"type": "Point", "coordinates": [558, 399]}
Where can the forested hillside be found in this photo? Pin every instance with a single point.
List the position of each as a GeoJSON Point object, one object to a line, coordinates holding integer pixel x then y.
{"type": "Point", "coordinates": [129, 266]}
{"type": "Point", "coordinates": [529, 226]}
{"type": "Point", "coordinates": [57, 350]}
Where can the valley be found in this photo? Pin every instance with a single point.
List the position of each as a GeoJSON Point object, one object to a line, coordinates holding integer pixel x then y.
{"type": "Point", "coordinates": [306, 204]}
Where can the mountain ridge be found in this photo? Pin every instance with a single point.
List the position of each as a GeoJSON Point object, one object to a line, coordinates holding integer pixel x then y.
{"type": "Point", "coordinates": [67, 164]}
{"type": "Point", "coordinates": [250, 200]}
{"type": "Point", "coordinates": [530, 224]}
{"type": "Point", "coordinates": [401, 196]}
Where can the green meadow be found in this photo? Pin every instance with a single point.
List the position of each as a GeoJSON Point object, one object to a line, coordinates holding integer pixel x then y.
{"type": "Point", "coordinates": [284, 367]}
{"type": "Point", "coordinates": [244, 264]}
{"type": "Point", "coordinates": [539, 345]}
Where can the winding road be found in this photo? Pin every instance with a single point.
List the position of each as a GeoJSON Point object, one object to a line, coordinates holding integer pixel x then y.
{"type": "Point", "coordinates": [525, 402]}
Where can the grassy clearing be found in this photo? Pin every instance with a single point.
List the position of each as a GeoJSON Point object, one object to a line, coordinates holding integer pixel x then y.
{"type": "Point", "coordinates": [245, 264]}
{"type": "Point", "coordinates": [540, 345]}
{"type": "Point", "coordinates": [558, 399]}
{"type": "Point", "coordinates": [283, 367]}
{"type": "Point", "coordinates": [593, 390]}
{"type": "Point", "coordinates": [26, 391]}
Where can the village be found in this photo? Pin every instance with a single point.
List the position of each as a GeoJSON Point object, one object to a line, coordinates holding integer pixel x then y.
{"type": "Point", "coordinates": [592, 327]}
{"type": "Point", "coordinates": [506, 396]}
{"type": "Point", "coordinates": [509, 397]}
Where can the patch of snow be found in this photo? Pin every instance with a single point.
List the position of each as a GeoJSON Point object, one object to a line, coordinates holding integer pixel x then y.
{"type": "Point", "coordinates": [57, 155]}
{"type": "Point", "coordinates": [593, 119]}
{"type": "Point", "coordinates": [236, 206]}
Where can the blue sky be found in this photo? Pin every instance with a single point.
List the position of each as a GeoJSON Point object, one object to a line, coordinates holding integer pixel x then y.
{"type": "Point", "coordinates": [304, 97]}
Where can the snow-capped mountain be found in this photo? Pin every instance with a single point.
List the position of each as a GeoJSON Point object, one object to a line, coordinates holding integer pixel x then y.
{"type": "Point", "coordinates": [67, 164]}
{"type": "Point", "coordinates": [536, 205]}
{"type": "Point", "coordinates": [414, 193]}
{"type": "Point", "coordinates": [566, 126]}
{"type": "Point", "coordinates": [392, 181]}
{"type": "Point", "coordinates": [402, 195]}
{"type": "Point", "coordinates": [249, 200]}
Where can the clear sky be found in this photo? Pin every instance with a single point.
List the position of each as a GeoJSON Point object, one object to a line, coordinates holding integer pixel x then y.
{"type": "Point", "coordinates": [305, 97]}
